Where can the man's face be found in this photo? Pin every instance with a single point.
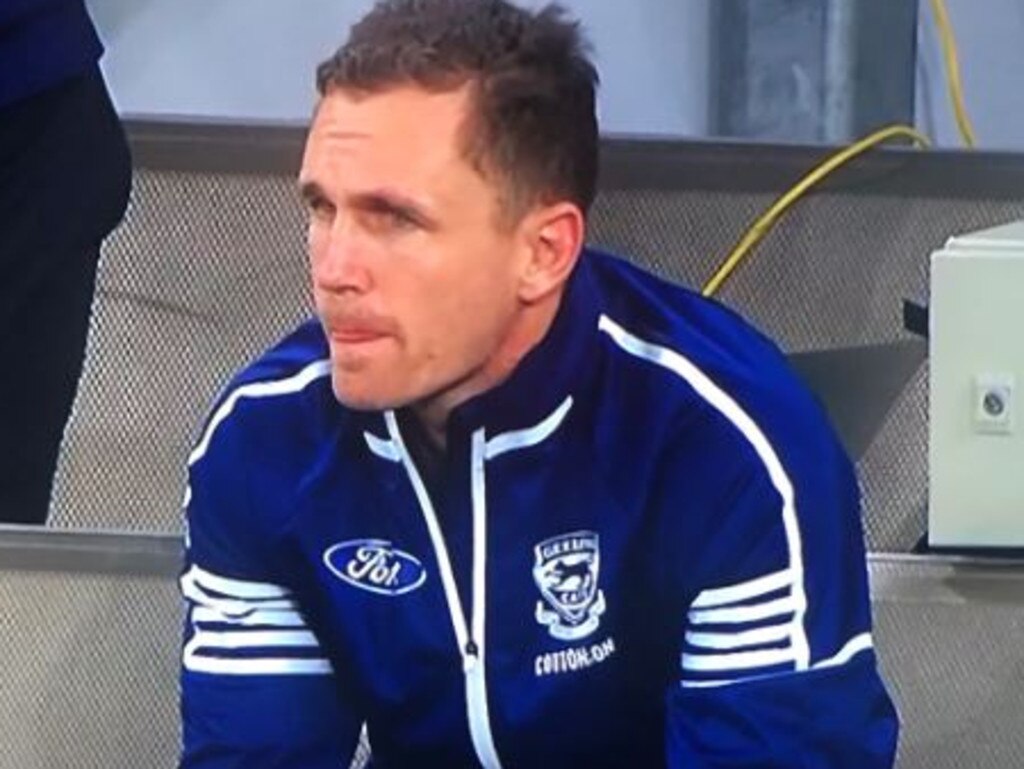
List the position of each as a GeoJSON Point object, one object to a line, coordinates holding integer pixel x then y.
{"type": "Point", "coordinates": [414, 277]}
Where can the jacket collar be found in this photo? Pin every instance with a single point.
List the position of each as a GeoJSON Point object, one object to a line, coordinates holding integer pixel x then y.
{"type": "Point", "coordinates": [538, 388]}
{"type": "Point", "coordinates": [548, 374]}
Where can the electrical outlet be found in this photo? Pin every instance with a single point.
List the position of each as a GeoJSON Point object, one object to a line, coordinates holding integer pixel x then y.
{"type": "Point", "coordinates": [993, 404]}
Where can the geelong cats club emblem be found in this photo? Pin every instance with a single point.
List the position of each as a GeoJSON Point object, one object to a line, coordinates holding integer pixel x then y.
{"type": "Point", "coordinates": [566, 571]}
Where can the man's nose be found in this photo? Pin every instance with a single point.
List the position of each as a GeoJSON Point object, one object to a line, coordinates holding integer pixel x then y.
{"type": "Point", "coordinates": [339, 260]}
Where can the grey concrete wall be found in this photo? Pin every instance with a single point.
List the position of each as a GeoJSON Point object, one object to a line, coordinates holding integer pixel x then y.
{"type": "Point", "coordinates": [990, 38]}
{"type": "Point", "coordinates": [254, 59]}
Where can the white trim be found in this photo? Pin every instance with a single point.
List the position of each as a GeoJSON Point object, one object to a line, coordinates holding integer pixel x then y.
{"type": "Point", "coordinates": [265, 666]}
{"type": "Point", "coordinates": [235, 588]}
{"type": "Point", "coordinates": [232, 609]}
{"type": "Point", "coordinates": [479, 717]}
{"type": "Point", "coordinates": [472, 664]}
{"type": "Point", "coordinates": [478, 452]}
{"type": "Point", "coordinates": [444, 565]}
{"type": "Point", "coordinates": [385, 449]}
{"type": "Point", "coordinates": [292, 384]}
{"type": "Point", "coordinates": [252, 639]}
{"type": "Point", "coordinates": [718, 682]}
{"type": "Point", "coordinates": [737, 661]}
{"type": "Point", "coordinates": [853, 647]}
{"type": "Point", "coordinates": [757, 637]}
{"type": "Point", "coordinates": [202, 640]}
{"type": "Point", "coordinates": [185, 501]}
{"type": "Point", "coordinates": [743, 591]}
{"type": "Point", "coordinates": [730, 615]}
{"type": "Point", "coordinates": [229, 607]}
{"type": "Point", "coordinates": [195, 653]}
{"type": "Point", "coordinates": [531, 436]}
{"type": "Point", "coordinates": [269, 617]}
{"type": "Point", "coordinates": [477, 706]}
{"type": "Point", "coordinates": [731, 410]}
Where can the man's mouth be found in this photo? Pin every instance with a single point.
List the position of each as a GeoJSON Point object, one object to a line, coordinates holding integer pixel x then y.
{"type": "Point", "coordinates": [355, 335]}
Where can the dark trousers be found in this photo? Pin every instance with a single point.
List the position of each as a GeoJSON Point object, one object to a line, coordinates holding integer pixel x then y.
{"type": "Point", "coordinates": [65, 176]}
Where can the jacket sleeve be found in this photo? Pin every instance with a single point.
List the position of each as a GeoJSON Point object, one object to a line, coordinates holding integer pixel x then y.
{"type": "Point", "coordinates": [776, 665]}
{"type": "Point", "coordinates": [256, 688]}
{"type": "Point", "coordinates": [13, 11]}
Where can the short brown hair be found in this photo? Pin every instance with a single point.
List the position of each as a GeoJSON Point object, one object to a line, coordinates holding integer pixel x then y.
{"type": "Point", "coordinates": [533, 124]}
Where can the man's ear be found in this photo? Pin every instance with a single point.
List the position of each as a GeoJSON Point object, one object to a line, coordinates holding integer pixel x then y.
{"type": "Point", "coordinates": [554, 235]}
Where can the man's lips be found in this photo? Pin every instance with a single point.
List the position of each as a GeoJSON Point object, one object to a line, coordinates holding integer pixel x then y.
{"type": "Point", "coordinates": [355, 335]}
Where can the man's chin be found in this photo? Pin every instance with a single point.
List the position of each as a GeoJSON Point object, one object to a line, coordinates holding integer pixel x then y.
{"type": "Point", "coordinates": [358, 399]}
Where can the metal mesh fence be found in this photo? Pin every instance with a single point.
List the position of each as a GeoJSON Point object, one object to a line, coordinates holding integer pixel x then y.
{"type": "Point", "coordinates": [89, 673]}
{"type": "Point", "coordinates": [204, 273]}
{"type": "Point", "coordinates": [208, 269]}
{"type": "Point", "coordinates": [948, 652]}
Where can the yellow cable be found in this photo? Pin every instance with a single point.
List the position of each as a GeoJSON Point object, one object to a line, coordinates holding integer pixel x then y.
{"type": "Point", "coordinates": [767, 220]}
{"type": "Point", "coordinates": [956, 89]}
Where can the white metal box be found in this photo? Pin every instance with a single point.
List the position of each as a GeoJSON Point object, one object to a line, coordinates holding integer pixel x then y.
{"type": "Point", "coordinates": [976, 371]}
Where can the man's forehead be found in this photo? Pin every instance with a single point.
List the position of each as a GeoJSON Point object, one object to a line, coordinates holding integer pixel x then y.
{"type": "Point", "coordinates": [406, 138]}
{"type": "Point", "coordinates": [399, 112]}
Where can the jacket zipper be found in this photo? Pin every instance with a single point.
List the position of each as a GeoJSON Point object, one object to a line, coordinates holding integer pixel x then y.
{"type": "Point", "coordinates": [468, 636]}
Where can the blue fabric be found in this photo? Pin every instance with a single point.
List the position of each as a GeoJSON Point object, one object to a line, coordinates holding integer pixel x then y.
{"type": "Point", "coordinates": [674, 568]}
{"type": "Point", "coordinates": [43, 43]}
{"type": "Point", "coordinates": [825, 719]}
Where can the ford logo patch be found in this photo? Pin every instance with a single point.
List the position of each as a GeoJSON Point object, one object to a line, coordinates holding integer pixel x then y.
{"type": "Point", "coordinates": [374, 565]}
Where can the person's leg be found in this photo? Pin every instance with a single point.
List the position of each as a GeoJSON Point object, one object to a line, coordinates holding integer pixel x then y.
{"type": "Point", "coordinates": [42, 356]}
{"type": "Point", "coordinates": [64, 180]}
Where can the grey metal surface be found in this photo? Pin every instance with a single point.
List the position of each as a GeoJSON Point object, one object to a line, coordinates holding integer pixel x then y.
{"type": "Point", "coordinates": [870, 62]}
{"type": "Point", "coordinates": [214, 147]}
{"type": "Point", "coordinates": [948, 635]}
{"type": "Point", "coordinates": [894, 473]}
{"type": "Point", "coordinates": [89, 673]}
{"type": "Point", "coordinates": [808, 70]}
{"type": "Point", "coordinates": [30, 548]}
{"type": "Point", "coordinates": [859, 385]}
{"type": "Point", "coordinates": [627, 163]}
{"type": "Point", "coordinates": [768, 68]}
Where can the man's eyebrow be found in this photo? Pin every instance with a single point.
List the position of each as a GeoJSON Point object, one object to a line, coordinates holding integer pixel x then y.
{"type": "Point", "coordinates": [377, 201]}
{"type": "Point", "coordinates": [390, 200]}
{"type": "Point", "coordinates": [310, 190]}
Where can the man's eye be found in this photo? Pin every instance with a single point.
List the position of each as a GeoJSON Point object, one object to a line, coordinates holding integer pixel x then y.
{"type": "Point", "coordinates": [392, 220]}
{"type": "Point", "coordinates": [320, 208]}
{"type": "Point", "coordinates": [403, 219]}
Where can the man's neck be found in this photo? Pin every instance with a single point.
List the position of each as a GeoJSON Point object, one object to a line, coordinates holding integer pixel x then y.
{"type": "Point", "coordinates": [530, 329]}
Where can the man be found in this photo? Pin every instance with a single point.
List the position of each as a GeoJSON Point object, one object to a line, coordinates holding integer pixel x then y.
{"type": "Point", "coordinates": [65, 174]}
{"type": "Point", "coordinates": [511, 502]}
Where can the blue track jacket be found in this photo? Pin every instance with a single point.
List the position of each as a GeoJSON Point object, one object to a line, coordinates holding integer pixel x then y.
{"type": "Point", "coordinates": [643, 550]}
{"type": "Point", "coordinates": [43, 43]}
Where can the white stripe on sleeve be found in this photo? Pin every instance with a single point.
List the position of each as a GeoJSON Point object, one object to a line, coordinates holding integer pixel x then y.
{"type": "Point", "coordinates": [733, 615]}
{"type": "Point", "coordinates": [737, 661]}
{"type": "Point", "coordinates": [756, 637]}
{"type": "Point", "coordinates": [744, 591]}
{"type": "Point", "coordinates": [728, 407]}
{"type": "Point", "coordinates": [259, 620]}
{"type": "Point", "coordinates": [295, 383]}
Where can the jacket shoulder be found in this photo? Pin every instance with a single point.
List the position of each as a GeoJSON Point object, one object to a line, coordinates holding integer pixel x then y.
{"type": "Point", "coordinates": [281, 399]}
{"type": "Point", "coordinates": [703, 352]}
